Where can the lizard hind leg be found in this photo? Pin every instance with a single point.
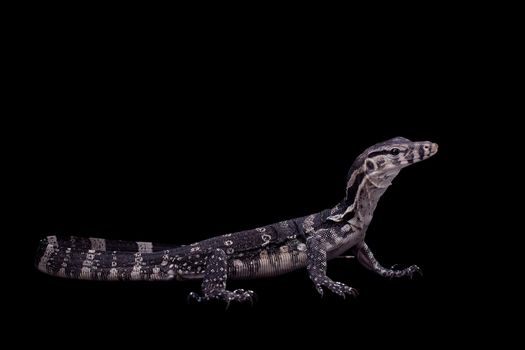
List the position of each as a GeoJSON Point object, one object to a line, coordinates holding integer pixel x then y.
{"type": "Point", "coordinates": [214, 282]}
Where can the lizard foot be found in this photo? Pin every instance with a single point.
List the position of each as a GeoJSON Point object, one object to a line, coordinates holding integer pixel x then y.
{"type": "Point", "coordinates": [239, 295]}
{"type": "Point", "coordinates": [338, 288]}
{"type": "Point", "coordinates": [409, 271]}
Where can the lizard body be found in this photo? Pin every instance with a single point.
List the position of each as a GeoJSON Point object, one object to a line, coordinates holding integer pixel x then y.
{"type": "Point", "coordinates": [267, 251]}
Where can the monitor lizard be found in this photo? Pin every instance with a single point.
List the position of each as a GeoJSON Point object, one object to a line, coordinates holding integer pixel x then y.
{"type": "Point", "coordinates": [272, 250]}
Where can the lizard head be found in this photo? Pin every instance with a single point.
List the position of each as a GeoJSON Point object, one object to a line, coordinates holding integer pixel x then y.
{"type": "Point", "coordinates": [396, 154]}
{"type": "Point", "coordinates": [381, 162]}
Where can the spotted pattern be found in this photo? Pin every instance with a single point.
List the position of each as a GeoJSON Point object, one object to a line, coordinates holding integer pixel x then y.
{"type": "Point", "coordinates": [317, 269]}
{"type": "Point", "coordinates": [271, 250]}
{"type": "Point", "coordinates": [214, 281]}
{"type": "Point", "coordinates": [98, 244]}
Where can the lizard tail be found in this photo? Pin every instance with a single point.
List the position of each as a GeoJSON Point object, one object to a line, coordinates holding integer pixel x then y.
{"type": "Point", "coordinates": [100, 259]}
{"type": "Point", "coordinates": [102, 244]}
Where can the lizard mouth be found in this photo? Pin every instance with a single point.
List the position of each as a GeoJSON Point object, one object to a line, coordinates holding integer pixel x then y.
{"type": "Point", "coordinates": [433, 149]}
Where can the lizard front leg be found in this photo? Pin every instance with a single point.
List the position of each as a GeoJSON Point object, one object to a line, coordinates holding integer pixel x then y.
{"type": "Point", "coordinates": [367, 259]}
{"type": "Point", "coordinates": [214, 281]}
{"type": "Point", "coordinates": [316, 255]}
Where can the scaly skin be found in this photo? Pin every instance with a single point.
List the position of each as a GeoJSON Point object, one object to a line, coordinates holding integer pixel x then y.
{"type": "Point", "coordinates": [262, 252]}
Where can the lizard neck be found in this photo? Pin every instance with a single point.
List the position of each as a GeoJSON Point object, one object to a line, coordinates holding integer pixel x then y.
{"type": "Point", "coordinates": [363, 194]}
{"type": "Point", "coordinates": [366, 201]}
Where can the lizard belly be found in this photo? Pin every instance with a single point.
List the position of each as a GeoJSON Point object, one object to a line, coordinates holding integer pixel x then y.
{"type": "Point", "coordinates": [341, 246]}
{"type": "Point", "coordinates": [266, 264]}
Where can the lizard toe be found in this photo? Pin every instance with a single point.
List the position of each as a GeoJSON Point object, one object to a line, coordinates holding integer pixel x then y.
{"type": "Point", "coordinates": [413, 270]}
{"type": "Point", "coordinates": [193, 296]}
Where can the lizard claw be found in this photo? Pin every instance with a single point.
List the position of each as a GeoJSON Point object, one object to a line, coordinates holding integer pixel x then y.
{"type": "Point", "coordinates": [409, 271]}
{"type": "Point", "coordinates": [193, 296]}
{"type": "Point", "coordinates": [338, 288]}
{"type": "Point", "coordinates": [320, 290]}
{"type": "Point", "coordinates": [239, 295]}
{"type": "Point", "coordinates": [245, 295]}
{"type": "Point", "coordinates": [414, 269]}
{"type": "Point", "coordinates": [250, 296]}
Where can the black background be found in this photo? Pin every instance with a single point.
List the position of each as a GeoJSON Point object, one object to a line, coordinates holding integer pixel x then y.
{"type": "Point", "coordinates": [136, 134]}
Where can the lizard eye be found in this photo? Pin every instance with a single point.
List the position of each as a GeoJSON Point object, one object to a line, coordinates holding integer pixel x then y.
{"type": "Point", "coordinates": [394, 151]}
